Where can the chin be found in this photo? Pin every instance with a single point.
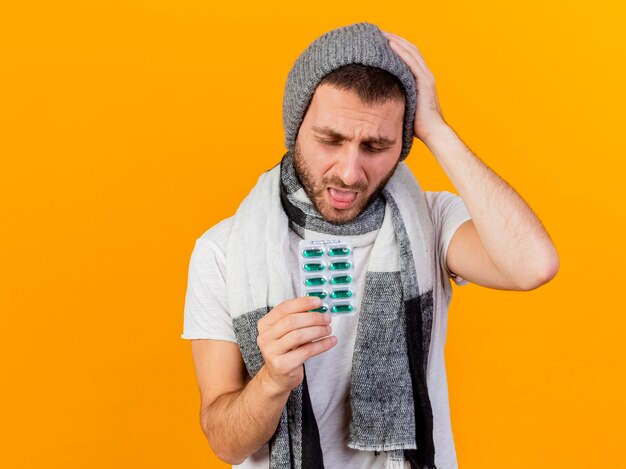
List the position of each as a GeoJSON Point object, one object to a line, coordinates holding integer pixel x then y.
{"type": "Point", "coordinates": [339, 217]}
{"type": "Point", "coordinates": [334, 215]}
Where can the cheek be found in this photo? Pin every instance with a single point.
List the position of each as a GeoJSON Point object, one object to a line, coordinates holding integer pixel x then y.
{"type": "Point", "coordinates": [322, 164]}
{"type": "Point", "coordinates": [377, 171]}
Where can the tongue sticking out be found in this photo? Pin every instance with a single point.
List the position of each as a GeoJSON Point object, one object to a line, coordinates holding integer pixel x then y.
{"type": "Point", "coordinates": [342, 196]}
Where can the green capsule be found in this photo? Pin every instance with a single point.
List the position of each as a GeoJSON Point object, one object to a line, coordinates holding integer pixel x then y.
{"type": "Point", "coordinates": [314, 267]}
{"type": "Point", "coordinates": [338, 252]}
{"type": "Point", "coordinates": [341, 294]}
{"type": "Point", "coordinates": [342, 308]}
{"type": "Point", "coordinates": [314, 281]}
{"type": "Point", "coordinates": [342, 279]}
{"type": "Point", "coordinates": [319, 294]}
{"type": "Point", "coordinates": [321, 309]}
{"type": "Point", "coordinates": [316, 252]}
{"type": "Point", "coordinates": [339, 266]}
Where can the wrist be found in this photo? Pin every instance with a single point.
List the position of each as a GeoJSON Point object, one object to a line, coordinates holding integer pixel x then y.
{"type": "Point", "coordinates": [435, 132]}
{"type": "Point", "coordinates": [269, 387]}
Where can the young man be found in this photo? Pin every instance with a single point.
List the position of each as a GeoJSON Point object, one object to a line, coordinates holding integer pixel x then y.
{"type": "Point", "coordinates": [280, 387]}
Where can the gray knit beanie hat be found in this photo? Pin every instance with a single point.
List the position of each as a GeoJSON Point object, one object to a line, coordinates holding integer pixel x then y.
{"type": "Point", "coordinates": [362, 43]}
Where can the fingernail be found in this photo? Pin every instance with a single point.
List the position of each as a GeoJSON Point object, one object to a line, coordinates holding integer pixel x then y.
{"type": "Point", "coordinates": [316, 301]}
{"type": "Point", "coordinates": [327, 317]}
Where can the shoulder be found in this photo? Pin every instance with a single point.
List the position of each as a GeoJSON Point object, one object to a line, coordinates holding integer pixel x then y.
{"type": "Point", "coordinates": [448, 212]}
{"type": "Point", "coordinates": [439, 201]}
{"type": "Point", "coordinates": [218, 233]}
{"type": "Point", "coordinates": [209, 252]}
{"type": "Point", "coordinates": [445, 207]}
{"type": "Point", "coordinates": [206, 313]}
{"type": "Point", "coordinates": [214, 239]}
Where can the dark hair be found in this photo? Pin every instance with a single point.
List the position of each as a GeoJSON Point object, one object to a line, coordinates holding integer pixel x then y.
{"type": "Point", "coordinates": [372, 84]}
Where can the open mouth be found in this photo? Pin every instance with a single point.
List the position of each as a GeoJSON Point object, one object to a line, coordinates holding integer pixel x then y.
{"type": "Point", "coordinates": [341, 199]}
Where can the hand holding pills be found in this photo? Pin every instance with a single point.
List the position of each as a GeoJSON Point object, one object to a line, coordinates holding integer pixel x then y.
{"type": "Point", "coordinates": [286, 336]}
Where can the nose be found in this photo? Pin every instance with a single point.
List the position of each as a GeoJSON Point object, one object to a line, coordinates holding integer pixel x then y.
{"type": "Point", "coordinates": [348, 167]}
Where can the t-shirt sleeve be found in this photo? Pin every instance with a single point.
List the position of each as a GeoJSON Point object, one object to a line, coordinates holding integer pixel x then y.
{"type": "Point", "coordinates": [206, 315]}
{"type": "Point", "coordinates": [449, 212]}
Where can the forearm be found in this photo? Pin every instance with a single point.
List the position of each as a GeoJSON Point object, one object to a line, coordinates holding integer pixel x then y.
{"type": "Point", "coordinates": [512, 235]}
{"type": "Point", "coordinates": [237, 424]}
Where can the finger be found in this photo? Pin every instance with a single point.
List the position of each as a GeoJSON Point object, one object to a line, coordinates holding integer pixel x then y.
{"type": "Point", "coordinates": [400, 44]}
{"type": "Point", "coordinates": [295, 305]}
{"type": "Point", "coordinates": [409, 58]}
{"type": "Point", "coordinates": [298, 337]}
{"type": "Point", "coordinates": [296, 321]}
{"type": "Point", "coordinates": [412, 49]}
{"type": "Point", "coordinates": [304, 352]}
{"type": "Point", "coordinates": [405, 42]}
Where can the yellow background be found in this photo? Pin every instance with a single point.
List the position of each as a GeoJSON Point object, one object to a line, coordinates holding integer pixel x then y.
{"type": "Point", "coordinates": [127, 129]}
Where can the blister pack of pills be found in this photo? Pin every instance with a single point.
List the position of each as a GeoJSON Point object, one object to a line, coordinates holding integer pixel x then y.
{"type": "Point", "coordinates": [327, 271]}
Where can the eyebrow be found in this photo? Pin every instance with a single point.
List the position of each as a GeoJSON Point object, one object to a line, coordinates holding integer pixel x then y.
{"type": "Point", "coordinates": [333, 133]}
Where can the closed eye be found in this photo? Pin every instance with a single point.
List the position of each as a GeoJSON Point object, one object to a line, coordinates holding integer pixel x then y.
{"type": "Point", "coordinates": [375, 150]}
{"type": "Point", "coordinates": [367, 147]}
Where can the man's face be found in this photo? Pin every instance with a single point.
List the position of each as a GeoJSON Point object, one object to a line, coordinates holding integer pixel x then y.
{"type": "Point", "coordinates": [346, 151]}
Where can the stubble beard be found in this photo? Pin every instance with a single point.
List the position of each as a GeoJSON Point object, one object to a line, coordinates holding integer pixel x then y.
{"type": "Point", "coordinates": [317, 195]}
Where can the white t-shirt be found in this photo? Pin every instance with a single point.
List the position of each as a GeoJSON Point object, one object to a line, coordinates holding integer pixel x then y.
{"type": "Point", "coordinates": [206, 316]}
